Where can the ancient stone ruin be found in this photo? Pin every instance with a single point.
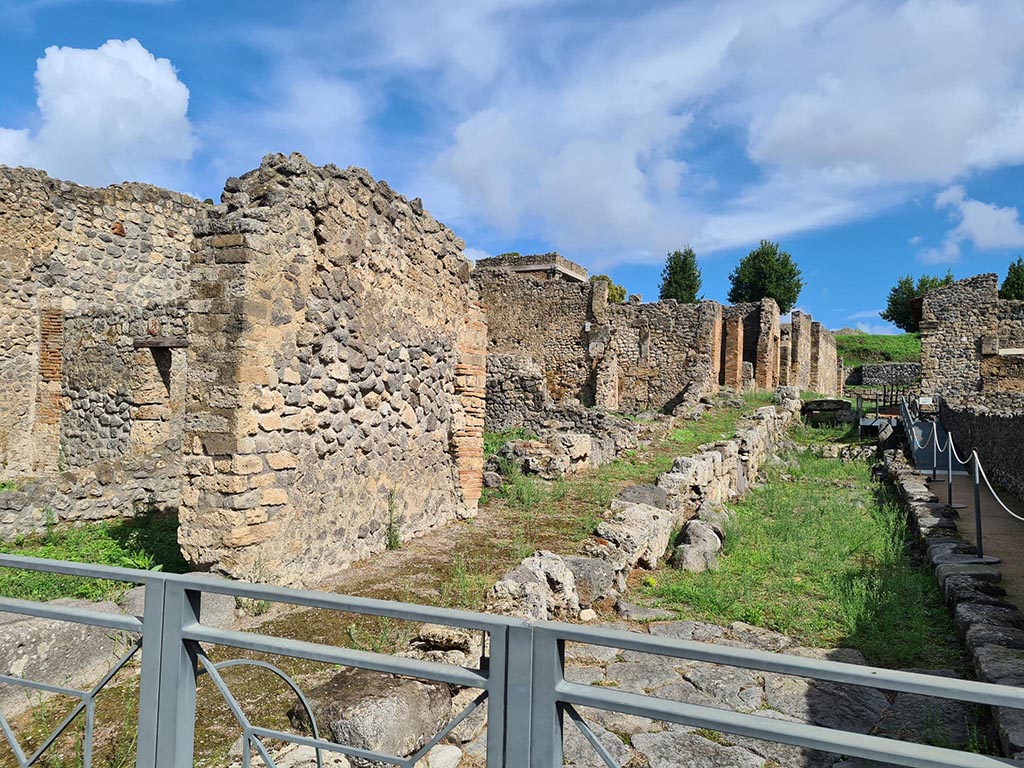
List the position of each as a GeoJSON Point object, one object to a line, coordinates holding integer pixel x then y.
{"type": "Point", "coordinates": [301, 371]}
{"type": "Point", "coordinates": [972, 356]}
{"type": "Point", "coordinates": [552, 335]}
{"type": "Point", "coordinates": [301, 367]}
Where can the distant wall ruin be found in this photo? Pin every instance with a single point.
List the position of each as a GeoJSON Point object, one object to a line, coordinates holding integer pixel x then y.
{"type": "Point", "coordinates": [633, 357]}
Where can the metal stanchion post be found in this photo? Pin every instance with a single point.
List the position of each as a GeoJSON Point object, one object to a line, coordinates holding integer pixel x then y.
{"type": "Point", "coordinates": [935, 449]}
{"type": "Point", "coordinates": [977, 505]}
{"type": "Point", "coordinates": [949, 470]}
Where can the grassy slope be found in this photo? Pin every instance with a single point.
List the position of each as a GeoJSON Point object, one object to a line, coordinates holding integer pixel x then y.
{"type": "Point", "coordinates": [818, 554]}
{"type": "Point", "coordinates": [860, 348]}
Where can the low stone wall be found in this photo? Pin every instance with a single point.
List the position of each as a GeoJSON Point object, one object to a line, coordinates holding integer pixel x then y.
{"type": "Point", "coordinates": [990, 626]}
{"type": "Point", "coordinates": [994, 428]}
{"type": "Point", "coordinates": [106, 490]}
{"type": "Point", "coordinates": [638, 526]}
{"type": "Point", "coordinates": [879, 374]}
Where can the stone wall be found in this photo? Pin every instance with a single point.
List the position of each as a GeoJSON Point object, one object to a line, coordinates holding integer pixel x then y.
{"type": "Point", "coordinates": [825, 372]}
{"type": "Point", "coordinates": [878, 374]}
{"type": "Point", "coordinates": [106, 490]}
{"type": "Point", "coordinates": [545, 316]}
{"type": "Point", "coordinates": [758, 342]}
{"type": "Point", "coordinates": [995, 432]}
{"type": "Point", "coordinates": [800, 351]}
{"type": "Point", "coordinates": [661, 354]}
{"type": "Point", "coordinates": [335, 375]}
{"type": "Point", "coordinates": [81, 270]}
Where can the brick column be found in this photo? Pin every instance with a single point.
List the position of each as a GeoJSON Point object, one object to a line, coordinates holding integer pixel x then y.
{"type": "Point", "coordinates": [733, 331]}
{"type": "Point", "coordinates": [471, 389]}
{"type": "Point", "coordinates": [46, 429]}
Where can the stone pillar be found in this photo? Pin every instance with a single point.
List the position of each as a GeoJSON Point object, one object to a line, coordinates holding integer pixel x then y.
{"type": "Point", "coordinates": [48, 410]}
{"type": "Point", "coordinates": [733, 368]}
{"type": "Point", "coordinates": [784, 363]}
{"type": "Point", "coordinates": [766, 372]}
{"type": "Point", "coordinates": [471, 389]}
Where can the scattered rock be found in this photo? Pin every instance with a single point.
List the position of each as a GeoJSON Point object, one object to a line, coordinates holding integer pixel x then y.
{"type": "Point", "coordinates": [648, 494]}
{"type": "Point", "coordinates": [382, 713]}
{"type": "Point", "coordinates": [632, 612]}
{"type": "Point", "coordinates": [594, 578]}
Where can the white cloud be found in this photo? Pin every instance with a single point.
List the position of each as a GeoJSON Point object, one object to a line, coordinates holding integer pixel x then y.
{"type": "Point", "coordinates": [105, 115]}
{"type": "Point", "coordinates": [475, 254]}
{"type": "Point", "coordinates": [846, 108]}
{"type": "Point", "coordinates": [867, 314]}
{"type": "Point", "coordinates": [299, 109]}
{"type": "Point", "coordinates": [878, 328]}
{"type": "Point", "coordinates": [985, 225]}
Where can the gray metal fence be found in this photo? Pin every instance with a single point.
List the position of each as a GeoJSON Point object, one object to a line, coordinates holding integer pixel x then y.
{"type": "Point", "coordinates": [521, 677]}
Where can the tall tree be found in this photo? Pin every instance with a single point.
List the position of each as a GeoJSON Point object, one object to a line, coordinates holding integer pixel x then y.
{"type": "Point", "coordinates": [616, 293]}
{"type": "Point", "coordinates": [766, 273]}
{"type": "Point", "coordinates": [899, 306]}
{"type": "Point", "coordinates": [1013, 285]}
{"type": "Point", "coordinates": [680, 279]}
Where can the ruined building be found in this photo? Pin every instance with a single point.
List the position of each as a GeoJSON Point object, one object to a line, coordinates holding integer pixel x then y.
{"type": "Point", "coordinates": [972, 356]}
{"type": "Point", "coordinates": [300, 372]}
{"type": "Point", "coordinates": [553, 335]}
{"type": "Point", "coordinates": [301, 367]}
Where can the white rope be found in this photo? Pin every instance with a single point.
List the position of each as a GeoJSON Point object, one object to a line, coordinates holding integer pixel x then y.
{"type": "Point", "coordinates": [993, 491]}
{"type": "Point", "coordinates": [957, 455]}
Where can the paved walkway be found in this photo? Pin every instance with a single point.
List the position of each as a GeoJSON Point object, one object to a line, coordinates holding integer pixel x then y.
{"type": "Point", "coordinates": [1002, 535]}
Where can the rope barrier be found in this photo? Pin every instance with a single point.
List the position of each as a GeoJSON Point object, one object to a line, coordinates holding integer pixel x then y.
{"type": "Point", "coordinates": [1009, 511]}
{"type": "Point", "coordinates": [951, 446]}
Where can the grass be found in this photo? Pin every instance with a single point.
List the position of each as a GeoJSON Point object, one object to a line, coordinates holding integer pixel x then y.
{"type": "Point", "coordinates": [495, 441]}
{"type": "Point", "coordinates": [147, 541]}
{"type": "Point", "coordinates": [818, 554]}
{"type": "Point", "coordinates": [860, 348]}
{"type": "Point", "coordinates": [8, 485]}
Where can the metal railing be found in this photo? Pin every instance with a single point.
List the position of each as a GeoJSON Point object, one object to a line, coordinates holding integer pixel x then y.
{"type": "Point", "coordinates": [521, 677]}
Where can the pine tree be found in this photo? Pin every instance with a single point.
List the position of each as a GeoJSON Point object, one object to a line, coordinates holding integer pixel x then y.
{"type": "Point", "coordinates": [766, 273]}
{"type": "Point", "coordinates": [680, 279]}
{"type": "Point", "coordinates": [899, 306]}
{"type": "Point", "coordinates": [1013, 285]}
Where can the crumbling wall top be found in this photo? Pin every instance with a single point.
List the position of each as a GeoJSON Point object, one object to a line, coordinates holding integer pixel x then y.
{"type": "Point", "coordinates": [541, 262]}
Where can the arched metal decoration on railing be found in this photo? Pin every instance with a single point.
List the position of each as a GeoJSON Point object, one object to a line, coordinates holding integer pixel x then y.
{"type": "Point", "coordinates": [252, 735]}
{"type": "Point", "coordinates": [86, 702]}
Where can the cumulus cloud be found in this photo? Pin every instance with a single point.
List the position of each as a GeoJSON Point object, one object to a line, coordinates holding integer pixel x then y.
{"type": "Point", "coordinates": [301, 109]}
{"type": "Point", "coordinates": [842, 109]}
{"type": "Point", "coordinates": [106, 115]}
{"type": "Point", "coordinates": [984, 225]}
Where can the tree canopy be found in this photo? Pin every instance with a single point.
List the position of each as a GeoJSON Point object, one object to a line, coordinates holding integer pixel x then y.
{"type": "Point", "coordinates": [766, 273]}
{"type": "Point", "coordinates": [898, 309]}
{"type": "Point", "coordinates": [1013, 285]}
{"type": "Point", "coordinates": [680, 279]}
{"type": "Point", "coordinates": [616, 293]}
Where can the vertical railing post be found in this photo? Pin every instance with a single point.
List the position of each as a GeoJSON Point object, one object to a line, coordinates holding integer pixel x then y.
{"type": "Point", "coordinates": [149, 683]}
{"type": "Point", "coordinates": [176, 713]}
{"type": "Point", "coordinates": [546, 727]}
{"type": "Point", "coordinates": [977, 505]}
{"type": "Point", "coordinates": [514, 722]}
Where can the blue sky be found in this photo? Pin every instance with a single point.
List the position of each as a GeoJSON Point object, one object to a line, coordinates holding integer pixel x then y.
{"type": "Point", "coordinates": [872, 139]}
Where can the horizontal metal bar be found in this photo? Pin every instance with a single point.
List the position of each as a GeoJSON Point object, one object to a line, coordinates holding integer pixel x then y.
{"type": "Point", "coordinates": [328, 654]}
{"type": "Point", "coordinates": [330, 746]}
{"type": "Point", "coordinates": [780, 731]}
{"type": "Point", "coordinates": [67, 568]}
{"type": "Point", "coordinates": [817, 669]}
{"type": "Point", "coordinates": [338, 602]}
{"type": "Point", "coordinates": [23, 683]}
{"type": "Point", "coordinates": [70, 614]}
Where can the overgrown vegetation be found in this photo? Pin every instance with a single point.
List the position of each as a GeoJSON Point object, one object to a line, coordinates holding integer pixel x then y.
{"type": "Point", "coordinates": [818, 554]}
{"type": "Point", "coordinates": [8, 485]}
{"type": "Point", "coordinates": [495, 441]}
{"type": "Point", "coordinates": [860, 348]}
{"type": "Point", "coordinates": [147, 541]}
